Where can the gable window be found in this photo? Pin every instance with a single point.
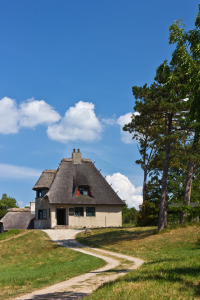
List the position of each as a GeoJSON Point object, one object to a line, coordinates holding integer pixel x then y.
{"type": "Point", "coordinates": [42, 214]}
{"type": "Point", "coordinates": [41, 193]}
{"type": "Point", "coordinates": [79, 211]}
{"type": "Point", "coordinates": [90, 211]}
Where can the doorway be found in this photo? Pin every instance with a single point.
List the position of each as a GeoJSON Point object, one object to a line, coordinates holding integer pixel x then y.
{"type": "Point", "coordinates": [61, 216]}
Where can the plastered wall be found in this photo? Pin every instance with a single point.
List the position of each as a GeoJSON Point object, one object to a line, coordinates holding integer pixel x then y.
{"type": "Point", "coordinates": [105, 216]}
{"type": "Point", "coordinates": [41, 203]}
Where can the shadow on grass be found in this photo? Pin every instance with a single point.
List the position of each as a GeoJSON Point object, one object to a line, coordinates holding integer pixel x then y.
{"type": "Point", "coordinates": [109, 238]}
{"type": "Point", "coordinates": [198, 244]}
{"type": "Point", "coordinates": [61, 295]}
{"type": "Point", "coordinates": [172, 276]}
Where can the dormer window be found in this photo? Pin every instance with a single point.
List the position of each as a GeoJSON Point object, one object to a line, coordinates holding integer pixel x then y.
{"type": "Point", "coordinates": [83, 191]}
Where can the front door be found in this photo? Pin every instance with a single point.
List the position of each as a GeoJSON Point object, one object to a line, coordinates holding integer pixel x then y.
{"type": "Point", "coordinates": [61, 216]}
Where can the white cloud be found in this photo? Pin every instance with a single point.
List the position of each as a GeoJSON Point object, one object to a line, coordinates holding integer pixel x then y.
{"type": "Point", "coordinates": [126, 136]}
{"type": "Point", "coordinates": [126, 190]}
{"type": "Point", "coordinates": [18, 172]}
{"type": "Point", "coordinates": [9, 116]}
{"type": "Point", "coordinates": [79, 123]}
{"type": "Point", "coordinates": [35, 112]}
{"type": "Point", "coordinates": [109, 121]}
{"type": "Point", "coordinates": [29, 114]}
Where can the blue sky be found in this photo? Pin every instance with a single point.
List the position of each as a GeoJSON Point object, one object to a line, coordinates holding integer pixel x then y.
{"type": "Point", "coordinates": [66, 70]}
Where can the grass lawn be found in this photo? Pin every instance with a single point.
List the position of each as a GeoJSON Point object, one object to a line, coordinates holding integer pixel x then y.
{"type": "Point", "coordinates": [33, 261]}
{"type": "Point", "coordinates": [172, 268]}
{"type": "Point", "coordinates": [9, 234]}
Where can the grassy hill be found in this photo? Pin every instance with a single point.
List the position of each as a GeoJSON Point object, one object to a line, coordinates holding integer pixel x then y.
{"type": "Point", "coordinates": [172, 268]}
{"type": "Point", "coordinates": [31, 261]}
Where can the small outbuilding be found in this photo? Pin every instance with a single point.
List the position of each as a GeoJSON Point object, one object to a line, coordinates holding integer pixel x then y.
{"type": "Point", "coordinates": [76, 195]}
{"type": "Point", "coordinates": [17, 218]}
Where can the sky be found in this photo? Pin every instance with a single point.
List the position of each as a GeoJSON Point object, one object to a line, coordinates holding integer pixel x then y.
{"type": "Point", "coordinates": [66, 70]}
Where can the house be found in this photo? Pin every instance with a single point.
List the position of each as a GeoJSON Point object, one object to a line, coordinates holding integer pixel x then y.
{"type": "Point", "coordinates": [76, 195]}
{"type": "Point", "coordinates": [17, 218]}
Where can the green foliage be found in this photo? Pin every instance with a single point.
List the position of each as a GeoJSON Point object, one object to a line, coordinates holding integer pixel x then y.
{"type": "Point", "coordinates": [175, 212]}
{"type": "Point", "coordinates": [187, 57]}
{"type": "Point", "coordinates": [128, 215]}
{"type": "Point", "coordinates": [148, 213]}
{"type": "Point", "coordinates": [6, 203]}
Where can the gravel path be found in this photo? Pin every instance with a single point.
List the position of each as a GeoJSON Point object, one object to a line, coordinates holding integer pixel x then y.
{"type": "Point", "coordinates": [81, 286]}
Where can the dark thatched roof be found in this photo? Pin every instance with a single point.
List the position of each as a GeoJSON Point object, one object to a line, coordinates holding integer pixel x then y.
{"type": "Point", "coordinates": [70, 176]}
{"type": "Point", "coordinates": [45, 180]}
{"type": "Point", "coordinates": [18, 219]}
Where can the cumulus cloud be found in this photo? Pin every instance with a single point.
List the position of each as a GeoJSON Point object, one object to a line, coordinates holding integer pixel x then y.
{"type": "Point", "coordinates": [18, 172]}
{"type": "Point", "coordinates": [9, 116]}
{"type": "Point", "coordinates": [79, 123]}
{"type": "Point", "coordinates": [126, 136]}
{"type": "Point", "coordinates": [29, 114]}
{"type": "Point", "coordinates": [126, 190]}
{"type": "Point", "coordinates": [35, 112]}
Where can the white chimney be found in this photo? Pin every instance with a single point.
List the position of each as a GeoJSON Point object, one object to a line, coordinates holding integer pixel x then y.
{"type": "Point", "coordinates": [32, 207]}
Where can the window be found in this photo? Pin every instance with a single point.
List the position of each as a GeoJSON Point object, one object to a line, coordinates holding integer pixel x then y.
{"type": "Point", "coordinates": [42, 214]}
{"type": "Point", "coordinates": [83, 191]}
{"type": "Point", "coordinates": [41, 193]}
{"type": "Point", "coordinates": [90, 211]}
{"type": "Point", "coordinates": [78, 211]}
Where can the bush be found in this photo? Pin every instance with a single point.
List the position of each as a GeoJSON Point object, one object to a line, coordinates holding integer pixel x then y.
{"type": "Point", "coordinates": [148, 213]}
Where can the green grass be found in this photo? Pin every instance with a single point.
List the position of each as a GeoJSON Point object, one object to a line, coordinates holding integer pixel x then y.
{"type": "Point", "coordinates": [33, 261]}
{"type": "Point", "coordinates": [9, 234]}
{"type": "Point", "coordinates": [172, 268]}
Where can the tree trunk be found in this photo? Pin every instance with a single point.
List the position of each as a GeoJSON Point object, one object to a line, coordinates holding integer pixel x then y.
{"type": "Point", "coordinates": [188, 183]}
{"type": "Point", "coordinates": [162, 221]}
{"type": "Point", "coordinates": [144, 183]}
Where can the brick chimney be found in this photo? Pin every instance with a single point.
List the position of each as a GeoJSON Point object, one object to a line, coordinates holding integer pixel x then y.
{"type": "Point", "coordinates": [76, 156]}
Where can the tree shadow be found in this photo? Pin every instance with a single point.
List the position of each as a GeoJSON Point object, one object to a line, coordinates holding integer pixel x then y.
{"type": "Point", "coordinates": [198, 244]}
{"type": "Point", "coordinates": [109, 238]}
{"type": "Point", "coordinates": [61, 295]}
{"type": "Point", "coordinates": [173, 276]}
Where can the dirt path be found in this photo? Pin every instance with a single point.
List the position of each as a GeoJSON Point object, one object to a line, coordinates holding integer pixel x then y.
{"type": "Point", "coordinates": [81, 286]}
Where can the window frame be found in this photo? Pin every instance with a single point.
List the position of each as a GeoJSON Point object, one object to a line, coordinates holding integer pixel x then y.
{"type": "Point", "coordinates": [83, 190]}
{"type": "Point", "coordinates": [43, 213]}
{"type": "Point", "coordinates": [76, 214]}
{"type": "Point", "coordinates": [91, 214]}
{"type": "Point", "coordinates": [41, 193]}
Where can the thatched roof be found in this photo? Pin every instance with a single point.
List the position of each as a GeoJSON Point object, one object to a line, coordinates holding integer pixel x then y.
{"type": "Point", "coordinates": [18, 218]}
{"type": "Point", "coordinates": [70, 176]}
{"type": "Point", "coordinates": [24, 209]}
{"type": "Point", "coordinates": [45, 180]}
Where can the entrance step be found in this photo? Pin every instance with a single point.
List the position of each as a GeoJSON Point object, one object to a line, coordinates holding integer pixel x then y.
{"type": "Point", "coordinates": [61, 226]}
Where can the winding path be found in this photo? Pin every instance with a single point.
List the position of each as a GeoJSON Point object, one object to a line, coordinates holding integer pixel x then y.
{"type": "Point", "coordinates": [83, 285]}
